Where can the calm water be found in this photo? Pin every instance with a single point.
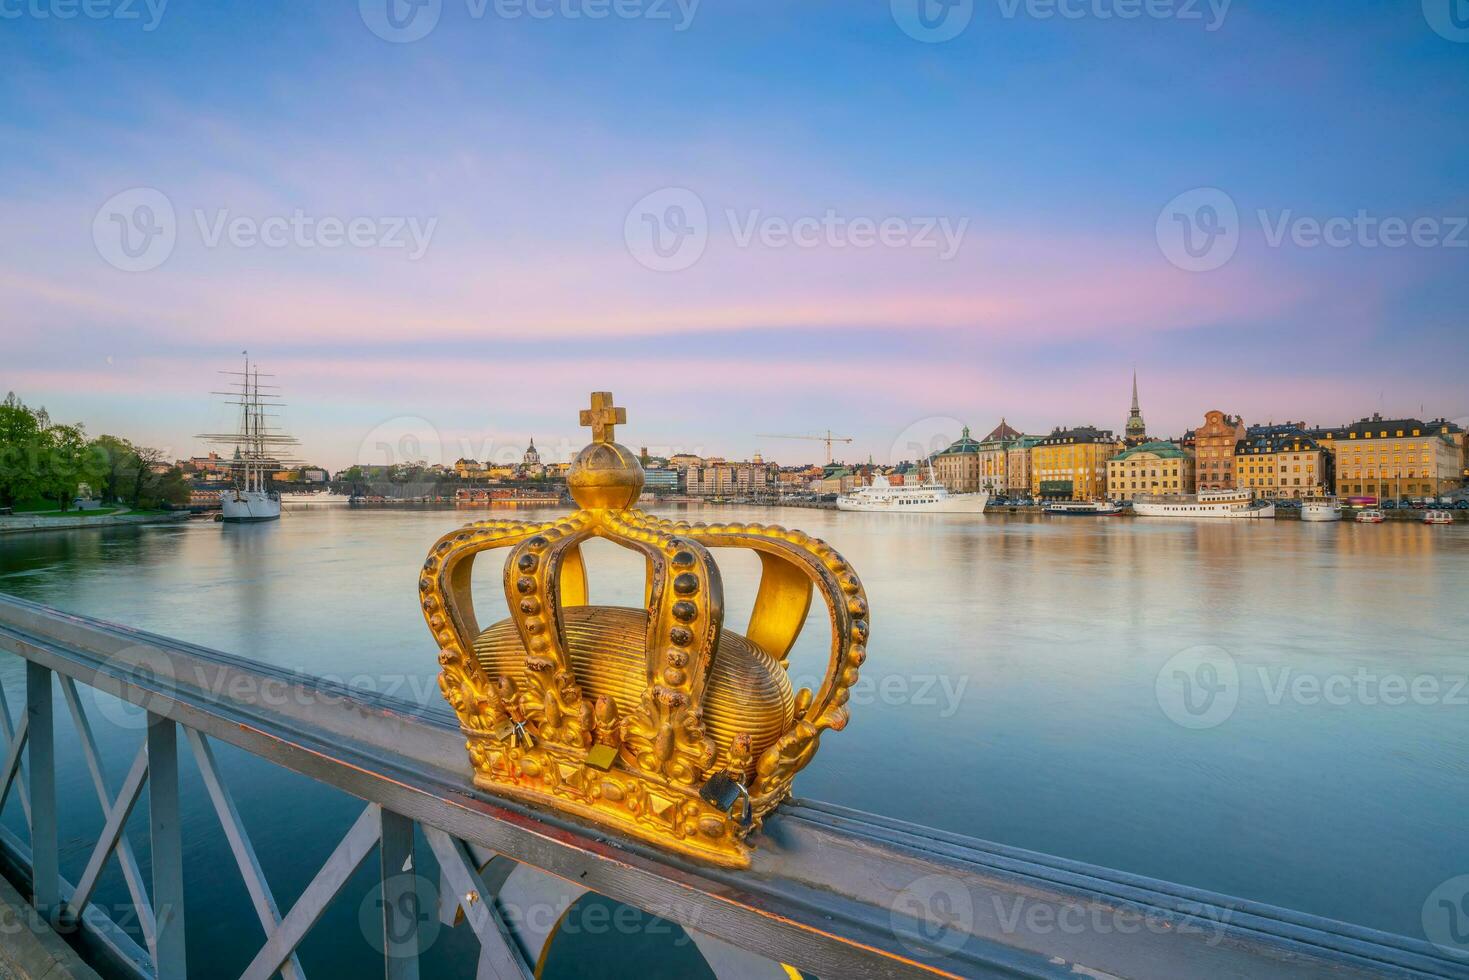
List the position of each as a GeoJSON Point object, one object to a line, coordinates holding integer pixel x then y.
{"type": "Point", "coordinates": [1012, 691]}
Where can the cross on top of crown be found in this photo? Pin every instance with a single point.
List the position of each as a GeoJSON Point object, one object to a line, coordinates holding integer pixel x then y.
{"type": "Point", "coordinates": [602, 416]}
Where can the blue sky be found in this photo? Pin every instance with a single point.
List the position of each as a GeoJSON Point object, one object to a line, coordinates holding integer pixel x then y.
{"type": "Point", "coordinates": [527, 151]}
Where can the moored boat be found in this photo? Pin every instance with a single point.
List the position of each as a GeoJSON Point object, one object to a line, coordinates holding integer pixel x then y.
{"type": "Point", "coordinates": [1320, 509]}
{"type": "Point", "coordinates": [1438, 517]}
{"type": "Point", "coordinates": [1206, 503]}
{"type": "Point", "coordinates": [258, 452]}
{"type": "Point", "coordinates": [1082, 508]}
{"type": "Point", "coordinates": [1370, 516]}
{"type": "Point", "coordinates": [923, 498]}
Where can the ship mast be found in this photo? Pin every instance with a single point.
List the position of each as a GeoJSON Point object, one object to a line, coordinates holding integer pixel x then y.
{"type": "Point", "coordinates": [259, 447]}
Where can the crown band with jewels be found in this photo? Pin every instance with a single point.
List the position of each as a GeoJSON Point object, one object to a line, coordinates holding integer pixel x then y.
{"type": "Point", "coordinates": [657, 721]}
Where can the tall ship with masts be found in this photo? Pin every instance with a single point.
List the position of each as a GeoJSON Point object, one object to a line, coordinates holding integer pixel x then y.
{"type": "Point", "coordinates": [260, 448]}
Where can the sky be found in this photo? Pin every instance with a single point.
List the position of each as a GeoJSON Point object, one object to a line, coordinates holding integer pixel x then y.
{"type": "Point", "coordinates": [442, 223]}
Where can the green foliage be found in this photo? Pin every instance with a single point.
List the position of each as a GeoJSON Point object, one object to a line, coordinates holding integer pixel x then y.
{"type": "Point", "coordinates": [42, 460]}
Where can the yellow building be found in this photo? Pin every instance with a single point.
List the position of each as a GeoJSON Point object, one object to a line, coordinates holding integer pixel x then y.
{"type": "Point", "coordinates": [958, 467]}
{"type": "Point", "coordinates": [1282, 465]}
{"type": "Point", "coordinates": [1394, 458]}
{"type": "Point", "coordinates": [1150, 469]}
{"type": "Point", "coordinates": [1017, 465]}
{"type": "Point", "coordinates": [1072, 464]}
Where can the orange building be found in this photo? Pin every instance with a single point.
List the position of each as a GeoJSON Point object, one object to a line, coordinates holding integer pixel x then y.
{"type": "Point", "coordinates": [1214, 443]}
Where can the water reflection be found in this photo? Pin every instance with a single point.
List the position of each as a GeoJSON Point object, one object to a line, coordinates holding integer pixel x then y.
{"type": "Point", "coordinates": [1009, 691]}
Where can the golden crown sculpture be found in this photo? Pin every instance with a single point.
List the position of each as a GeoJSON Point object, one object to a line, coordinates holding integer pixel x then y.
{"type": "Point", "coordinates": [656, 722]}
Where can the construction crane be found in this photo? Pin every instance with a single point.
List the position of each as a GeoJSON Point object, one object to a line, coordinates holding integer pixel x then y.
{"type": "Point", "coordinates": [828, 438]}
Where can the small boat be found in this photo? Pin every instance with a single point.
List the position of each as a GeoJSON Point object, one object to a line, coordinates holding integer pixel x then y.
{"type": "Point", "coordinates": [1370, 516]}
{"type": "Point", "coordinates": [923, 498]}
{"type": "Point", "coordinates": [1206, 503]}
{"type": "Point", "coordinates": [1082, 508]}
{"type": "Point", "coordinates": [1438, 517]}
{"type": "Point", "coordinates": [1320, 509]}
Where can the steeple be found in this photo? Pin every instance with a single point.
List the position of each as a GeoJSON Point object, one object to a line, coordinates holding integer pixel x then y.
{"type": "Point", "coordinates": [1137, 430]}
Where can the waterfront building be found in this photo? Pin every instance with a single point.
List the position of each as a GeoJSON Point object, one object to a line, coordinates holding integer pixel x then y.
{"type": "Point", "coordinates": [1136, 432]}
{"type": "Point", "coordinates": [470, 469]}
{"type": "Point", "coordinates": [994, 451]}
{"type": "Point", "coordinates": [723, 479]}
{"type": "Point", "coordinates": [1153, 468]}
{"type": "Point", "coordinates": [1282, 461]}
{"type": "Point", "coordinates": [1214, 443]}
{"type": "Point", "coordinates": [1392, 458]}
{"type": "Point", "coordinates": [1072, 463]}
{"type": "Point", "coordinates": [957, 467]}
{"type": "Point", "coordinates": [1017, 465]}
{"type": "Point", "coordinates": [660, 480]}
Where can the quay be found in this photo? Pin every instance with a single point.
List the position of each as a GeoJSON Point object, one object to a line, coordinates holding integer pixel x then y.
{"type": "Point", "coordinates": [830, 890]}
{"type": "Point", "coordinates": [23, 523]}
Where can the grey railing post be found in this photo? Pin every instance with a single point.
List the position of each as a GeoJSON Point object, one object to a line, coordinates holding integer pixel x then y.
{"type": "Point", "coordinates": [167, 841]}
{"type": "Point", "coordinates": [45, 858]}
{"type": "Point", "coordinates": [401, 904]}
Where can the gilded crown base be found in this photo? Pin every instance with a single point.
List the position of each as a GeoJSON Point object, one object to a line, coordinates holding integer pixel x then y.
{"type": "Point", "coordinates": [559, 779]}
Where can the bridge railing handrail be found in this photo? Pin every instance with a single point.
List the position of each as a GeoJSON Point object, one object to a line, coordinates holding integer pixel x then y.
{"type": "Point", "coordinates": [832, 890]}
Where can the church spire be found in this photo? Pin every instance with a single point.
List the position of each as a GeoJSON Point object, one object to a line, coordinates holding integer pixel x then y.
{"type": "Point", "coordinates": [1137, 431]}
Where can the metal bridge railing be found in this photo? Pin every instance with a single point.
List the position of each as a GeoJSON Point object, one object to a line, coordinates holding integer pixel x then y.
{"type": "Point", "coordinates": [834, 891]}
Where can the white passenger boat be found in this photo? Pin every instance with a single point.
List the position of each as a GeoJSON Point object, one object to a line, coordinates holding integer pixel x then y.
{"type": "Point", "coordinates": [1082, 508]}
{"type": "Point", "coordinates": [1370, 516]}
{"type": "Point", "coordinates": [1320, 509]}
{"type": "Point", "coordinates": [1438, 517]}
{"type": "Point", "coordinates": [923, 498]}
{"type": "Point", "coordinates": [1206, 503]}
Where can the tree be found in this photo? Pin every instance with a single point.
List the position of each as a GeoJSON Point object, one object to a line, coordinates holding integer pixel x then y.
{"type": "Point", "coordinates": [68, 462]}
{"type": "Point", "coordinates": [115, 458]}
{"type": "Point", "coordinates": [145, 458]}
{"type": "Point", "coordinates": [21, 447]}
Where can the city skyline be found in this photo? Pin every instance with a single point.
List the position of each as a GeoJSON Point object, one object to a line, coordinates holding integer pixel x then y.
{"type": "Point", "coordinates": [502, 275]}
